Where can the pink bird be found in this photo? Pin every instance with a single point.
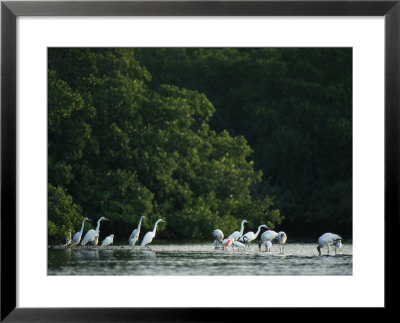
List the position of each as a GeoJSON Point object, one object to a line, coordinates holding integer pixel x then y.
{"type": "Point", "coordinates": [227, 242]}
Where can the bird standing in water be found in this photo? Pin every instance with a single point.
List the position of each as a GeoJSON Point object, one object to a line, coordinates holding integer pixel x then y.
{"type": "Point", "coordinates": [134, 237]}
{"type": "Point", "coordinates": [78, 235]}
{"type": "Point", "coordinates": [148, 238]}
{"type": "Point", "coordinates": [268, 235]}
{"type": "Point", "coordinates": [282, 237]}
{"type": "Point", "coordinates": [238, 234]}
{"type": "Point", "coordinates": [218, 237]}
{"type": "Point", "coordinates": [107, 241]}
{"type": "Point", "coordinates": [327, 239]}
{"type": "Point", "coordinates": [227, 242]}
{"type": "Point", "coordinates": [268, 245]}
{"type": "Point", "coordinates": [95, 241]}
{"type": "Point", "coordinates": [91, 234]}
{"type": "Point", "coordinates": [250, 236]}
{"type": "Point", "coordinates": [238, 245]}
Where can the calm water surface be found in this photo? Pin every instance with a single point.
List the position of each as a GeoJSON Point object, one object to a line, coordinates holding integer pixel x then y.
{"type": "Point", "coordinates": [199, 260]}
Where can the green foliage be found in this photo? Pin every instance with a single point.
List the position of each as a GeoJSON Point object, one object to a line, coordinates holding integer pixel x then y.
{"type": "Point", "coordinates": [293, 106]}
{"type": "Point", "coordinates": [123, 149]}
{"type": "Point", "coordinates": [68, 132]}
{"type": "Point", "coordinates": [63, 214]}
{"type": "Point", "coordinates": [204, 137]}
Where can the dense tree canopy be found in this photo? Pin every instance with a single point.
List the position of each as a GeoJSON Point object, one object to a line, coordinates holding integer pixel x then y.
{"type": "Point", "coordinates": [122, 146]}
{"type": "Point", "coordinates": [294, 107]}
{"type": "Point", "coordinates": [201, 137]}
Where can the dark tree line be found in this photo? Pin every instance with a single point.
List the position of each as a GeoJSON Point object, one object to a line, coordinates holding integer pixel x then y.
{"type": "Point", "coordinates": [202, 138]}
{"type": "Point", "coordinates": [294, 107]}
{"type": "Point", "coordinates": [122, 149]}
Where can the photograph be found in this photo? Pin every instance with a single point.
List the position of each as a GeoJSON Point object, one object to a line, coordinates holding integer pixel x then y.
{"type": "Point", "coordinates": [200, 161]}
{"type": "Point", "coordinates": [180, 150]}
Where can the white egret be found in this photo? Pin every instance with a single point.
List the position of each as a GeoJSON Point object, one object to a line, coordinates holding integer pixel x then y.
{"type": "Point", "coordinates": [238, 234]}
{"type": "Point", "coordinates": [95, 241]}
{"type": "Point", "coordinates": [238, 245]}
{"type": "Point", "coordinates": [150, 235]}
{"type": "Point", "coordinates": [327, 239]}
{"type": "Point", "coordinates": [135, 233]}
{"type": "Point", "coordinates": [268, 245]}
{"type": "Point", "coordinates": [219, 236]}
{"type": "Point", "coordinates": [250, 236]}
{"type": "Point", "coordinates": [107, 241]}
{"type": "Point", "coordinates": [268, 235]}
{"type": "Point", "coordinates": [282, 237]}
{"type": "Point", "coordinates": [91, 234]}
{"type": "Point", "coordinates": [78, 235]}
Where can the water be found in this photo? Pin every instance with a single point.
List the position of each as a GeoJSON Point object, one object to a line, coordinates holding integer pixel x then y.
{"type": "Point", "coordinates": [199, 260]}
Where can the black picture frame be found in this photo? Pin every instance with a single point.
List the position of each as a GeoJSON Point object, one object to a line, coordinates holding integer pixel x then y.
{"type": "Point", "coordinates": [10, 10]}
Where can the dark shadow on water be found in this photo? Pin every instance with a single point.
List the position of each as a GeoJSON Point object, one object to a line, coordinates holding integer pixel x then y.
{"type": "Point", "coordinates": [106, 253]}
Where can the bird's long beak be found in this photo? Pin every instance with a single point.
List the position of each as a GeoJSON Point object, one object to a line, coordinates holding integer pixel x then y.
{"type": "Point", "coordinates": [106, 219]}
{"type": "Point", "coordinates": [89, 220]}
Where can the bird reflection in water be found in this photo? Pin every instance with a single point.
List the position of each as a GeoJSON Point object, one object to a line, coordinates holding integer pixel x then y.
{"type": "Point", "coordinates": [106, 253]}
{"type": "Point", "coordinates": [148, 253]}
{"type": "Point", "coordinates": [91, 254]}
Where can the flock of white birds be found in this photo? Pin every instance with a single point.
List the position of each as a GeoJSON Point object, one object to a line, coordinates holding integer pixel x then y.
{"type": "Point", "coordinates": [242, 241]}
{"type": "Point", "coordinates": [92, 236]}
{"type": "Point", "coordinates": [236, 239]}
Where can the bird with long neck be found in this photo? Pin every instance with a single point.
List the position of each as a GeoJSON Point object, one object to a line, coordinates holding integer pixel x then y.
{"type": "Point", "coordinates": [91, 234]}
{"type": "Point", "coordinates": [150, 235]}
{"type": "Point", "coordinates": [78, 235]}
{"type": "Point", "coordinates": [250, 236]}
{"type": "Point", "coordinates": [98, 223]}
{"type": "Point", "coordinates": [238, 234]}
{"type": "Point", "coordinates": [135, 233]}
{"type": "Point", "coordinates": [95, 241]}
